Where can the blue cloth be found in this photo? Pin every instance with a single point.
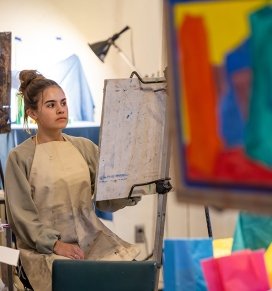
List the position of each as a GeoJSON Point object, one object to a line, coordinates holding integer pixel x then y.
{"type": "Point", "coordinates": [70, 76]}
{"type": "Point", "coordinates": [181, 266]}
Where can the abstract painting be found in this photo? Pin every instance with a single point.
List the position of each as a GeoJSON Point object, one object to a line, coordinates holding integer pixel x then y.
{"type": "Point", "coordinates": [220, 56]}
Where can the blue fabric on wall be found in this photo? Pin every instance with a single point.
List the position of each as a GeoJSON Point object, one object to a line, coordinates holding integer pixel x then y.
{"type": "Point", "coordinates": [70, 75]}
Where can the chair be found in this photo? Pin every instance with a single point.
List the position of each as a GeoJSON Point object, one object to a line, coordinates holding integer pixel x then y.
{"type": "Point", "coordinates": [11, 239]}
{"type": "Point", "coordinates": [73, 275]}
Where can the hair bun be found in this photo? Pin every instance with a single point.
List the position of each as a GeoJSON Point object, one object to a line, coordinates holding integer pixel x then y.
{"type": "Point", "coordinates": [26, 76]}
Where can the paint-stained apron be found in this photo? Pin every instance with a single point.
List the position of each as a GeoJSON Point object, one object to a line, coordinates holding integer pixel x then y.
{"type": "Point", "coordinates": [61, 190]}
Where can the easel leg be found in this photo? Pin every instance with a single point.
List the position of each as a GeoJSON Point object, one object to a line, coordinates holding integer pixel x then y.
{"type": "Point", "coordinates": [208, 221]}
{"type": "Point", "coordinates": [158, 244]}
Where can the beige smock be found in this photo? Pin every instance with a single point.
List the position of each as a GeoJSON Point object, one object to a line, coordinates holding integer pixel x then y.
{"type": "Point", "coordinates": [61, 190]}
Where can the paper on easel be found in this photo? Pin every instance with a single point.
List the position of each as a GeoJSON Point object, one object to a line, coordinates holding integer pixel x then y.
{"type": "Point", "coordinates": [134, 121]}
{"type": "Point", "coordinates": [9, 256]}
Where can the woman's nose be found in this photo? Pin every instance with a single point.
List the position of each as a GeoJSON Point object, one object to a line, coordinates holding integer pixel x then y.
{"type": "Point", "coordinates": [60, 109]}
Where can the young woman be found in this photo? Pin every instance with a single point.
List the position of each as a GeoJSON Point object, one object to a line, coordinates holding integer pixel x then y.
{"type": "Point", "coordinates": [49, 183]}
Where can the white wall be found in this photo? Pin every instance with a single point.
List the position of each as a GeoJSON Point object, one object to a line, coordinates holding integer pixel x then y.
{"type": "Point", "coordinates": [78, 22]}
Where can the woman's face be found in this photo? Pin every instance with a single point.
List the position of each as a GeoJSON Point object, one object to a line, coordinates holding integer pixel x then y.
{"type": "Point", "coordinates": [52, 112]}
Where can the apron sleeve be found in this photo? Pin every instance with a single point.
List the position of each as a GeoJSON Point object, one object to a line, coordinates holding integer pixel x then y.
{"type": "Point", "coordinates": [117, 204]}
{"type": "Point", "coordinates": [22, 213]}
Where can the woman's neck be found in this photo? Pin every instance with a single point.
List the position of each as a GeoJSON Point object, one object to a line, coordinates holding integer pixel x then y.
{"type": "Point", "coordinates": [42, 137]}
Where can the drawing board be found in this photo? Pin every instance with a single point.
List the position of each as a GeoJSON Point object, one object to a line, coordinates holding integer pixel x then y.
{"type": "Point", "coordinates": [132, 143]}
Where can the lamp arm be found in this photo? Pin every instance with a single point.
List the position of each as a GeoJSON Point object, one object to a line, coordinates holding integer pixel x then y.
{"type": "Point", "coordinates": [116, 35]}
{"type": "Point", "coordinates": [126, 59]}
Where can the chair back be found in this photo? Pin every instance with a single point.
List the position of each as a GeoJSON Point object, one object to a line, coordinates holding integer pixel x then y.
{"type": "Point", "coordinates": [72, 275]}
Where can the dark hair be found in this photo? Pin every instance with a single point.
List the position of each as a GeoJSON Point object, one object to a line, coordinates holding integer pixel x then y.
{"type": "Point", "coordinates": [31, 88]}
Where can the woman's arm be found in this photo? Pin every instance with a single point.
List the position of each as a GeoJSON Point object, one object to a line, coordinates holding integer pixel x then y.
{"type": "Point", "coordinates": [22, 213]}
{"type": "Point", "coordinates": [116, 204]}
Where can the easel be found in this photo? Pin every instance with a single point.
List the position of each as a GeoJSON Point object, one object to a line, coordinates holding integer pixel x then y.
{"type": "Point", "coordinates": [163, 186]}
{"type": "Point", "coordinates": [122, 154]}
{"type": "Point", "coordinates": [134, 148]}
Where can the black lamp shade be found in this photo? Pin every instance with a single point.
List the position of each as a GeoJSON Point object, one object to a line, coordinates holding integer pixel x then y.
{"type": "Point", "coordinates": [101, 48]}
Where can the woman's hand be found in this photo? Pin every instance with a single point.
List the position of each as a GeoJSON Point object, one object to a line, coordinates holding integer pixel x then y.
{"type": "Point", "coordinates": [72, 251]}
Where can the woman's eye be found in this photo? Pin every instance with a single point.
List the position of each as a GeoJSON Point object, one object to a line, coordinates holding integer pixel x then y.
{"type": "Point", "coordinates": [50, 105]}
{"type": "Point", "coordinates": [63, 103]}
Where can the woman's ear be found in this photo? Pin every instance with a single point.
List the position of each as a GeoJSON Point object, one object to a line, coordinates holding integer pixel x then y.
{"type": "Point", "coordinates": [32, 113]}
